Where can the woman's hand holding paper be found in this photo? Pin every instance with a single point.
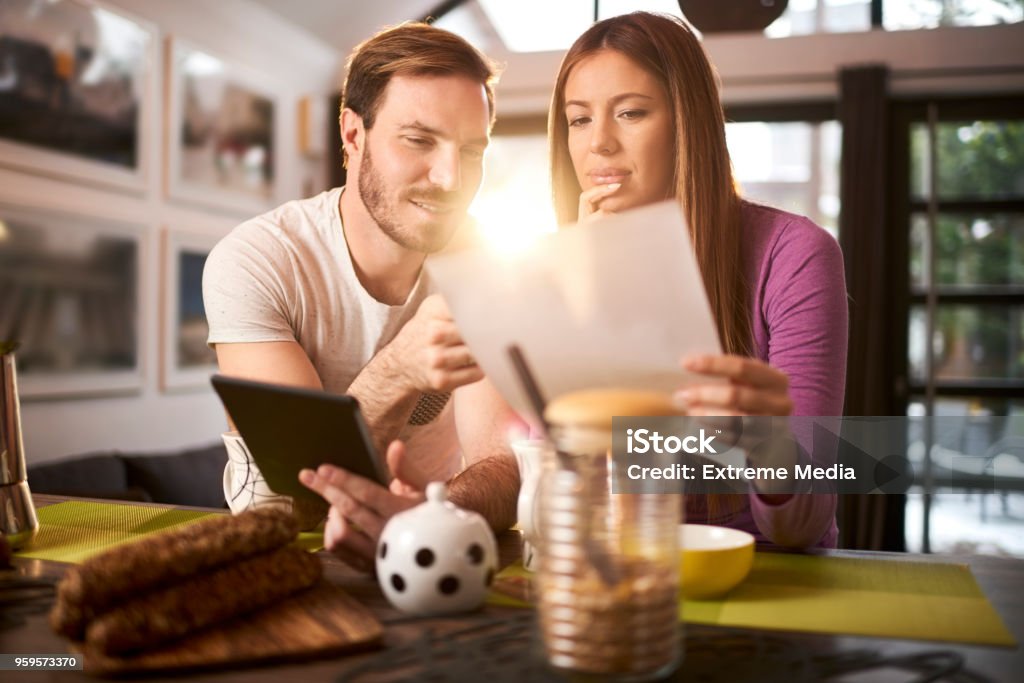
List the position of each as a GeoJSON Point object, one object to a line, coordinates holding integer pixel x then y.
{"type": "Point", "coordinates": [752, 389]}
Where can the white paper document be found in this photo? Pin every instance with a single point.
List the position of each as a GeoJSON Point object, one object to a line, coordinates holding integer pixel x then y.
{"type": "Point", "coordinates": [614, 302]}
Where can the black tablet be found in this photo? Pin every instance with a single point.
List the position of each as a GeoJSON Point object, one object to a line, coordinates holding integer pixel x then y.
{"type": "Point", "coordinates": [287, 429]}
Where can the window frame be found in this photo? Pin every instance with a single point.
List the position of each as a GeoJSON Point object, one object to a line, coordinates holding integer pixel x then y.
{"type": "Point", "coordinates": [906, 112]}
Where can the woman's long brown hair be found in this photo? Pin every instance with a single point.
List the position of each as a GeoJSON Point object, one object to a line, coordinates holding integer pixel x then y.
{"type": "Point", "coordinates": [703, 181]}
{"type": "Point", "coordinates": [667, 48]}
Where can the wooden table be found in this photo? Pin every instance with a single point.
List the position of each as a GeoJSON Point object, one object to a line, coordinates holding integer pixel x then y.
{"type": "Point", "coordinates": [1001, 579]}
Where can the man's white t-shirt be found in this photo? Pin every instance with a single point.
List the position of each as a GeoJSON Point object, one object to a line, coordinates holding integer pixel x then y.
{"type": "Point", "coordinates": [287, 275]}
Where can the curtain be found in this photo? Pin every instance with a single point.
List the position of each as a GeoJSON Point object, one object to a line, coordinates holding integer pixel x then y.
{"type": "Point", "coordinates": [876, 268]}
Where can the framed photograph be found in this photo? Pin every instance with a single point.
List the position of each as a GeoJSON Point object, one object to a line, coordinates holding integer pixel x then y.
{"type": "Point", "coordinates": [186, 360]}
{"type": "Point", "coordinates": [69, 293]}
{"type": "Point", "coordinates": [221, 139]}
{"type": "Point", "coordinates": [74, 83]}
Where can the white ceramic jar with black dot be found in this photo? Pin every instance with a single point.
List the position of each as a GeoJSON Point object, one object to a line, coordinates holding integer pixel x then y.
{"type": "Point", "coordinates": [436, 558]}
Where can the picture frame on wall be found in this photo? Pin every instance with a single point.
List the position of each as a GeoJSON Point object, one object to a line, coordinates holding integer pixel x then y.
{"type": "Point", "coordinates": [312, 126]}
{"type": "Point", "coordinates": [186, 360]}
{"type": "Point", "coordinates": [221, 132]}
{"type": "Point", "coordinates": [70, 295]}
{"type": "Point", "coordinates": [76, 84]}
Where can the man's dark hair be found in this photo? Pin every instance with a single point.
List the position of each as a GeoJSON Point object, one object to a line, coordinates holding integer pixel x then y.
{"type": "Point", "coordinates": [410, 49]}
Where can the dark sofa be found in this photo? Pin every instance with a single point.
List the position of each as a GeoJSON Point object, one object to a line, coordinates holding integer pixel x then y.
{"type": "Point", "coordinates": [189, 477]}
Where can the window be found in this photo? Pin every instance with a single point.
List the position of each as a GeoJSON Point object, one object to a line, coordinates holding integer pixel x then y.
{"type": "Point", "coordinates": [973, 221]}
{"type": "Point", "coordinates": [963, 211]}
{"type": "Point", "coordinates": [514, 200]}
{"type": "Point", "coordinates": [913, 14]}
{"type": "Point", "coordinates": [789, 164]}
{"type": "Point", "coordinates": [803, 17]}
{"type": "Point", "coordinates": [792, 165]}
{"type": "Point", "coordinates": [491, 23]}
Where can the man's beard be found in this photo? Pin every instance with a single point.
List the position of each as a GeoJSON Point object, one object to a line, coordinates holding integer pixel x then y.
{"type": "Point", "coordinates": [426, 237]}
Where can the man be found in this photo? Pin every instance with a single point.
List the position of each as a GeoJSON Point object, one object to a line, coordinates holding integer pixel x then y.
{"type": "Point", "coordinates": [330, 292]}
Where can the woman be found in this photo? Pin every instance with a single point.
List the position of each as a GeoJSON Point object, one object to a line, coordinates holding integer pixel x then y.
{"type": "Point", "coordinates": [635, 118]}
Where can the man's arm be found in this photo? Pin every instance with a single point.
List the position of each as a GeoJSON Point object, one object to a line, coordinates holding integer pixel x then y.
{"type": "Point", "coordinates": [426, 356]}
{"type": "Point", "coordinates": [490, 484]}
{"type": "Point", "coordinates": [385, 397]}
{"type": "Point", "coordinates": [281, 362]}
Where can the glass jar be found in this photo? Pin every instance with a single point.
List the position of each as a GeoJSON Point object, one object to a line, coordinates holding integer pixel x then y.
{"type": "Point", "coordinates": [608, 580]}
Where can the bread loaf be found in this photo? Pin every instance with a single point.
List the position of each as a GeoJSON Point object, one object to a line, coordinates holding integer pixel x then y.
{"type": "Point", "coordinates": [164, 559]}
{"type": "Point", "coordinates": [205, 599]}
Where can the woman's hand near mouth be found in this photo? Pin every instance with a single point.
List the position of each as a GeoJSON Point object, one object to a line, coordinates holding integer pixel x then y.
{"type": "Point", "coordinates": [590, 201]}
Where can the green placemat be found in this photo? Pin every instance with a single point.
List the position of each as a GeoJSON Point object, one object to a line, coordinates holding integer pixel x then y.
{"type": "Point", "coordinates": [839, 595]}
{"type": "Point", "coordinates": [76, 530]}
{"type": "Point", "coordinates": [312, 540]}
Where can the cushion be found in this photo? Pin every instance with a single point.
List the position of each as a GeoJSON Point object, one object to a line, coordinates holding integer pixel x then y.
{"type": "Point", "coordinates": [95, 475]}
{"type": "Point", "coordinates": [191, 477]}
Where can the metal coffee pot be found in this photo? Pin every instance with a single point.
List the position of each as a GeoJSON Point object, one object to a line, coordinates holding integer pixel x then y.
{"type": "Point", "coordinates": [17, 513]}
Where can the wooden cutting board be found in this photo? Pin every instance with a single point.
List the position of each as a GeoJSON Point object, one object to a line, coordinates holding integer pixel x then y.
{"type": "Point", "coordinates": [320, 621]}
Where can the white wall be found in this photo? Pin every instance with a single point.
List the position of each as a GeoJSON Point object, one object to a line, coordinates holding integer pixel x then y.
{"type": "Point", "coordinates": [294, 64]}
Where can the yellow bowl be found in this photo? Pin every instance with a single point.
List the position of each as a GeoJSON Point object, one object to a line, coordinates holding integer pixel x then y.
{"type": "Point", "coordinates": [715, 559]}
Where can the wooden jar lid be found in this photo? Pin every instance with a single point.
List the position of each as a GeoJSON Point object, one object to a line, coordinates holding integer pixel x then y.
{"type": "Point", "coordinates": [596, 407]}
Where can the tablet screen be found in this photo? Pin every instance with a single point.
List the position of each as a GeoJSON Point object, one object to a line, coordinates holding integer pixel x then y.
{"type": "Point", "coordinates": [287, 429]}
